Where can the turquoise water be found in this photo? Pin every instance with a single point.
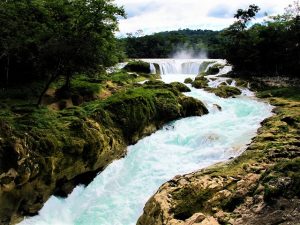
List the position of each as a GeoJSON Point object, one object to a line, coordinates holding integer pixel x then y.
{"type": "Point", "coordinates": [118, 194]}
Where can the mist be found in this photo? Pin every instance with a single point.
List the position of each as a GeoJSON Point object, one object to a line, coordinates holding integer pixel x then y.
{"type": "Point", "coordinates": [188, 53]}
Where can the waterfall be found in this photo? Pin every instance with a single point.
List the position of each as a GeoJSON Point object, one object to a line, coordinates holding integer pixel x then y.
{"type": "Point", "coordinates": [152, 68]}
{"type": "Point", "coordinates": [181, 66]}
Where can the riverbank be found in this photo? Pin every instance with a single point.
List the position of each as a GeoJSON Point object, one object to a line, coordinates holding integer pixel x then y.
{"type": "Point", "coordinates": [53, 148]}
{"type": "Point", "coordinates": [261, 186]}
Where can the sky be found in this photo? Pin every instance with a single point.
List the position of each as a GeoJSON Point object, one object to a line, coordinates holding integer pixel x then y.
{"type": "Point", "coordinates": [153, 16]}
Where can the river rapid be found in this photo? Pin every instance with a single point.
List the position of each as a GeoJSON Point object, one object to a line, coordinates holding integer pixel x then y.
{"type": "Point", "coordinates": [118, 194]}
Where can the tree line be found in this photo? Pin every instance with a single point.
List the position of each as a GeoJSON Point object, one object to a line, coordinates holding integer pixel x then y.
{"type": "Point", "coordinates": [165, 44]}
{"type": "Point", "coordinates": [270, 48]}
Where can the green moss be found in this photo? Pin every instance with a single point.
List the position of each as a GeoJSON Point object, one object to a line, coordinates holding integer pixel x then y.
{"type": "Point", "coordinates": [138, 66]}
{"type": "Point", "coordinates": [180, 87]}
{"type": "Point", "coordinates": [224, 91]}
{"type": "Point", "coordinates": [291, 93]}
{"type": "Point", "coordinates": [188, 80]}
{"type": "Point", "coordinates": [122, 77]}
{"type": "Point", "coordinates": [282, 180]}
{"type": "Point", "coordinates": [213, 70]}
{"type": "Point", "coordinates": [82, 86]}
{"type": "Point", "coordinates": [200, 82]}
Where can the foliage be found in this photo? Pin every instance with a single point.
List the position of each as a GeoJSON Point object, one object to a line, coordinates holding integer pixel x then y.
{"type": "Point", "coordinates": [270, 48]}
{"type": "Point", "coordinates": [42, 39]}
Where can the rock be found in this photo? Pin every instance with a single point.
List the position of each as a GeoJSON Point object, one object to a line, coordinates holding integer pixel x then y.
{"type": "Point", "coordinates": [200, 82]}
{"type": "Point", "coordinates": [188, 81]}
{"type": "Point", "coordinates": [218, 107]}
{"type": "Point", "coordinates": [224, 91]}
{"type": "Point", "coordinates": [180, 87]}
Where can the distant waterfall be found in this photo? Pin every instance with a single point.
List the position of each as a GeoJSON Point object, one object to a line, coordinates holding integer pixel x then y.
{"type": "Point", "coordinates": [180, 66]}
{"type": "Point", "coordinates": [177, 67]}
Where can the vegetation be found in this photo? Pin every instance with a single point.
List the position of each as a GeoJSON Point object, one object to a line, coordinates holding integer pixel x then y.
{"type": "Point", "coordinates": [45, 40]}
{"type": "Point", "coordinates": [137, 66]}
{"type": "Point", "coordinates": [269, 48]}
{"type": "Point", "coordinates": [203, 43]}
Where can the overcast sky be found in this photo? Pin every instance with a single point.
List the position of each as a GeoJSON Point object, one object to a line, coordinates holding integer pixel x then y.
{"type": "Point", "coordinates": [161, 15]}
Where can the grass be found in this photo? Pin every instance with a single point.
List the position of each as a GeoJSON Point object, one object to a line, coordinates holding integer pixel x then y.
{"type": "Point", "coordinates": [290, 93]}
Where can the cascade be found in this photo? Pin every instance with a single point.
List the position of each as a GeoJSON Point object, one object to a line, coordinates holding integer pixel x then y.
{"type": "Point", "coordinates": [152, 68]}
{"type": "Point", "coordinates": [181, 66]}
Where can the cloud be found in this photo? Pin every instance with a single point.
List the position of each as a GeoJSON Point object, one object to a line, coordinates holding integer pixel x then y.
{"type": "Point", "coordinates": [221, 11]}
{"type": "Point", "coordinates": [157, 15]}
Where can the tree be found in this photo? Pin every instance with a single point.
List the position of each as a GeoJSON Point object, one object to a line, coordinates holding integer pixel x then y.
{"type": "Point", "coordinates": [47, 39]}
{"type": "Point", "coordinates": [244, 16]}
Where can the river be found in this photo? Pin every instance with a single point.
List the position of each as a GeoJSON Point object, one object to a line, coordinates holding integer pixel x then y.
{"type": "Point", "coordinates": [118, 194]}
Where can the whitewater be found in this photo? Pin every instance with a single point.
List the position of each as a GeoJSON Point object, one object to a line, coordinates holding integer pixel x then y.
{"type": "Point", "coordinates": [118, 194]}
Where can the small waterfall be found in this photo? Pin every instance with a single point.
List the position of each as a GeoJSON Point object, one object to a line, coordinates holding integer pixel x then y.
{"type": "Point", "coordinates": [152, 68]}
{"type": "Point", "coordinates": [170, 67]}
{"type": "Point", "coordinates": [191, 68]}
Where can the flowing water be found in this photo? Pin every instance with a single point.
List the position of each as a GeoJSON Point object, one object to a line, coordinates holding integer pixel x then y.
{"type": "Point", "coordinates": [118, 194]}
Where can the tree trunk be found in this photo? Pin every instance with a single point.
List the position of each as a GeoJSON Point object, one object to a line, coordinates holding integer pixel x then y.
{"type": "Point", "coordinates": [52, 78]}
{"type": "Point", "coordinates": [45, 89]}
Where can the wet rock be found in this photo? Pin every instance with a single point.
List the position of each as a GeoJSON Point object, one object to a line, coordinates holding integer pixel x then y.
{"type": "Point", "coordinates": [188, 80]}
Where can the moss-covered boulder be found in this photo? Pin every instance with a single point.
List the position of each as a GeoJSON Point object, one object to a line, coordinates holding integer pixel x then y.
{"type": "Point", "coordinates": [180, 87]}
{"type": "Point", "coordinates": [188, 80]}
{"type": "Point", "coordinates": [224, 91]}
{"type": "Point", "coordinates": [138, 67]}
{"type": "Point", "coordinates": [213, 70]}
{"type": "Point", "coordinates": [200, 82]}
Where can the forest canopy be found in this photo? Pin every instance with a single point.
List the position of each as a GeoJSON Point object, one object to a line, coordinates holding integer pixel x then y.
{"type": "Point", "coordinates": [42, 40]}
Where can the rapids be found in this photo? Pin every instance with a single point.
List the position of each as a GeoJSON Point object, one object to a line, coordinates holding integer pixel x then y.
{"type": "Point", "coordinates": [118, 194]}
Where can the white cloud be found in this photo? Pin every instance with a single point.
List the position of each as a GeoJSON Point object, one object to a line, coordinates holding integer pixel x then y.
{"type": "Point", "coordinates": [160, 15]}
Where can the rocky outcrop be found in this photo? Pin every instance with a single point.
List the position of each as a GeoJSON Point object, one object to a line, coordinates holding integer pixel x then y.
{"type": "Point", "coordinates": [45, 152]}
{"type": "Point", "coordinates": [261, 186]}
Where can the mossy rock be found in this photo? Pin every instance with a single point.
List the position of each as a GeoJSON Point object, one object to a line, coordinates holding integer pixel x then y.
{"type": "Point", "coordinates": [200, 82]}
{"type": "Point", "coordinates": [180, 87]}
{"type": "Point", "coordinates": [213, 71]}
{"type": "Point", "coordinates": [138, 66]}
{"type": "Point", "coordinates": [192, 107]}
{"type": "Point", "coordinates": [188, 80]}
{"type": "Point", "coordinates": [224, 91]}
{"type": "Point", "coordinates": [241, 83]}
{"type": "Point", "coordinates": [204, 66]}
